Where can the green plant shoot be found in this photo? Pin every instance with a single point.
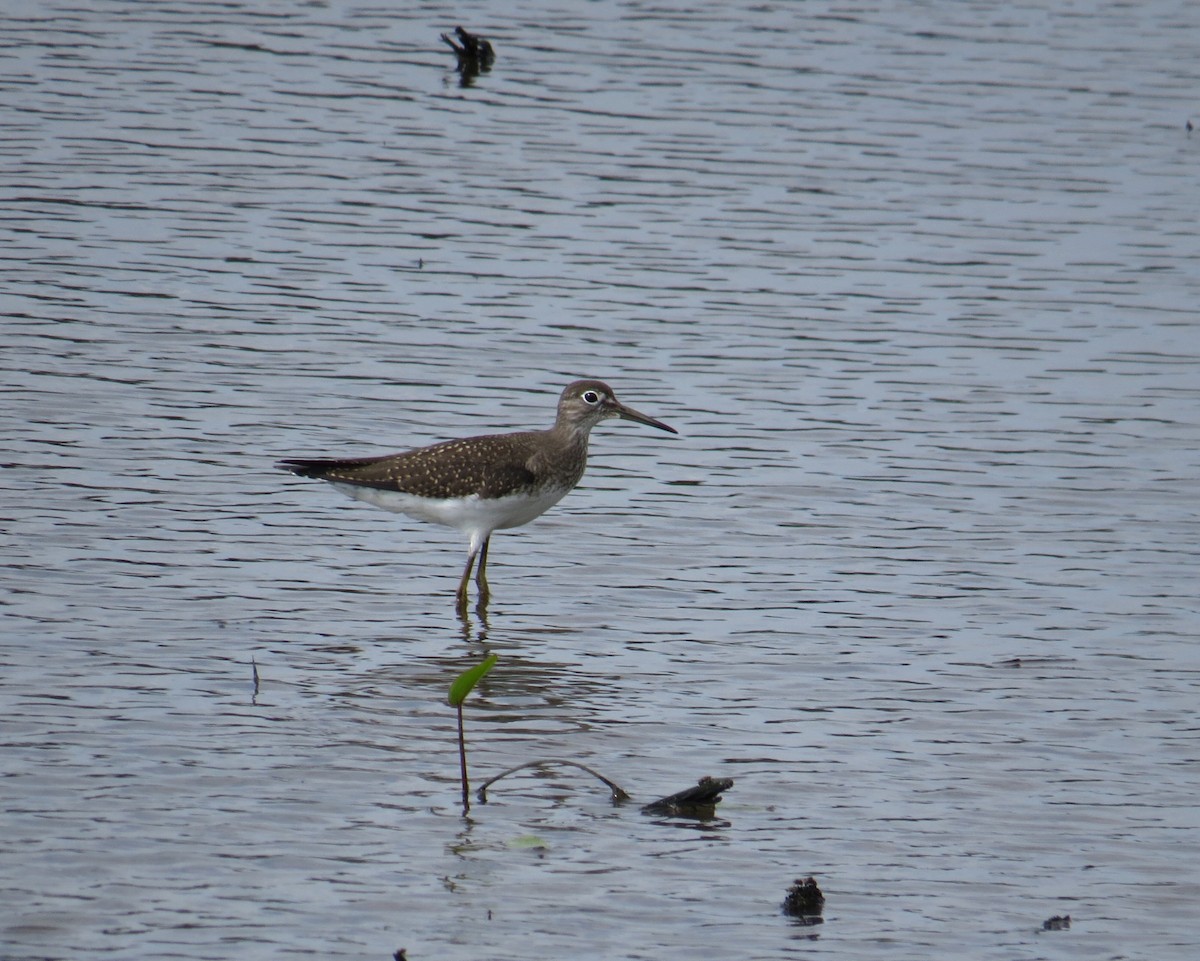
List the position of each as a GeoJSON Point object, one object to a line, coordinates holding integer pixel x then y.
{"type": "Point", "coordinates": [466, 681]}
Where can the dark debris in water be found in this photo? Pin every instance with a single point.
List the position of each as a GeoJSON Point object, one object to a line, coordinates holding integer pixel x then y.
{"type": "Point", "coordinates": [1060, 922]}
{"type": "Point", "coordinates": [805, 902]}
{"type": "Point", "coordinates": [475, 54]}
{"type": "Point", "coordinates": [693, 802]}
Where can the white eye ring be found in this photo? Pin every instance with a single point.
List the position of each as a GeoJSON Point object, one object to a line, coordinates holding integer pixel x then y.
{"type": "Point", "coordinates": [591, 397]}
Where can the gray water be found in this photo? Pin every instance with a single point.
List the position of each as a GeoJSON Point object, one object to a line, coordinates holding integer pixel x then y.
{"type": "Point", "coordinates": [917, 284]}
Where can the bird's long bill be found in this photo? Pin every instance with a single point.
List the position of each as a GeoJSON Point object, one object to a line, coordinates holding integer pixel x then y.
{"type": "Point", "coordinates": [628, 413]}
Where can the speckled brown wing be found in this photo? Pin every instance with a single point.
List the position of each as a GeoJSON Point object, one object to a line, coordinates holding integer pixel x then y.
{"type": "Point", "coordinates": [487, 466]}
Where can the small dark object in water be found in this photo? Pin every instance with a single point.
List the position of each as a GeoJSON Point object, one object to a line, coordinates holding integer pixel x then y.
{"type": "Point", "coordinates": [696, 802]}
{"type": "Point", "coordinates": [805, 902]}
{"type": "Point", "coordinates": [400, 954]}
{"type": "Point", "coordinates": [474, 53]}
{"type": "Point", "coordinates": [1057, 923]}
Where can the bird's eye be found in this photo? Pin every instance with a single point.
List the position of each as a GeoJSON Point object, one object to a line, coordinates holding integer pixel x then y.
{"type": "Point", "coordinates": [591, 397]}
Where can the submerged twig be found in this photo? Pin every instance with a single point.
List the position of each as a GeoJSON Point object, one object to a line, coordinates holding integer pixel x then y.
{"type": "Point", "coordinates": [618, 794]}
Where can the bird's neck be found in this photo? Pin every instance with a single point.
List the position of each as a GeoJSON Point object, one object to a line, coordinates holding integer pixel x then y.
{"type": "Point", "coordinates": [565, 452]}
{"type": "Point", "coordinates": [568, 434]}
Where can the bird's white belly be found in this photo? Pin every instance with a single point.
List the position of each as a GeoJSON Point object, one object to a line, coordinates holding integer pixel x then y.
{"type": "Point", "coordinates": [471, 515]}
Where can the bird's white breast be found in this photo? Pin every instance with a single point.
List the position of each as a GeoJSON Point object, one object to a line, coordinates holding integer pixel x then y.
{"type": "Point", "coordinates": [471, 515]}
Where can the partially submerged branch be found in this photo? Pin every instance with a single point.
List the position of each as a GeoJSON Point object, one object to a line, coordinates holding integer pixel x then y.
{"type": "Point", "coordinates": [618, 794]}
{"type": "Point", "coordinates": [699, 801]}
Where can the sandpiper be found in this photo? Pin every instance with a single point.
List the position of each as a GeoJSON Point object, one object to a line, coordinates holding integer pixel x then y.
{"type": "Point", "coordinates": [478, 485]}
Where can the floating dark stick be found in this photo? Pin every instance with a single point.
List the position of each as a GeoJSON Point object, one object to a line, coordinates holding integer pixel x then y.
{"type": "Point", "coordinates": [805, 902]}
{"type": "Point", "coordinates": [694, 802]}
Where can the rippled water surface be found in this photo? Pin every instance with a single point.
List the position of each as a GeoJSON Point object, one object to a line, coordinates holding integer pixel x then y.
{"type": "Point", "coordinates": [917, 284]}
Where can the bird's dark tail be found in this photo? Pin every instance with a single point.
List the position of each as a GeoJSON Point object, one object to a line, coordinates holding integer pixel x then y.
{"type": "Point", "coordinates": [310, 468]}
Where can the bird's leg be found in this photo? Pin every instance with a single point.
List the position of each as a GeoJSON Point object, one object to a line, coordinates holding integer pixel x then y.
{"type": "Point", "coordinates": [480, 576]}
{"type": "Point", "coordinates": [466, 579]}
